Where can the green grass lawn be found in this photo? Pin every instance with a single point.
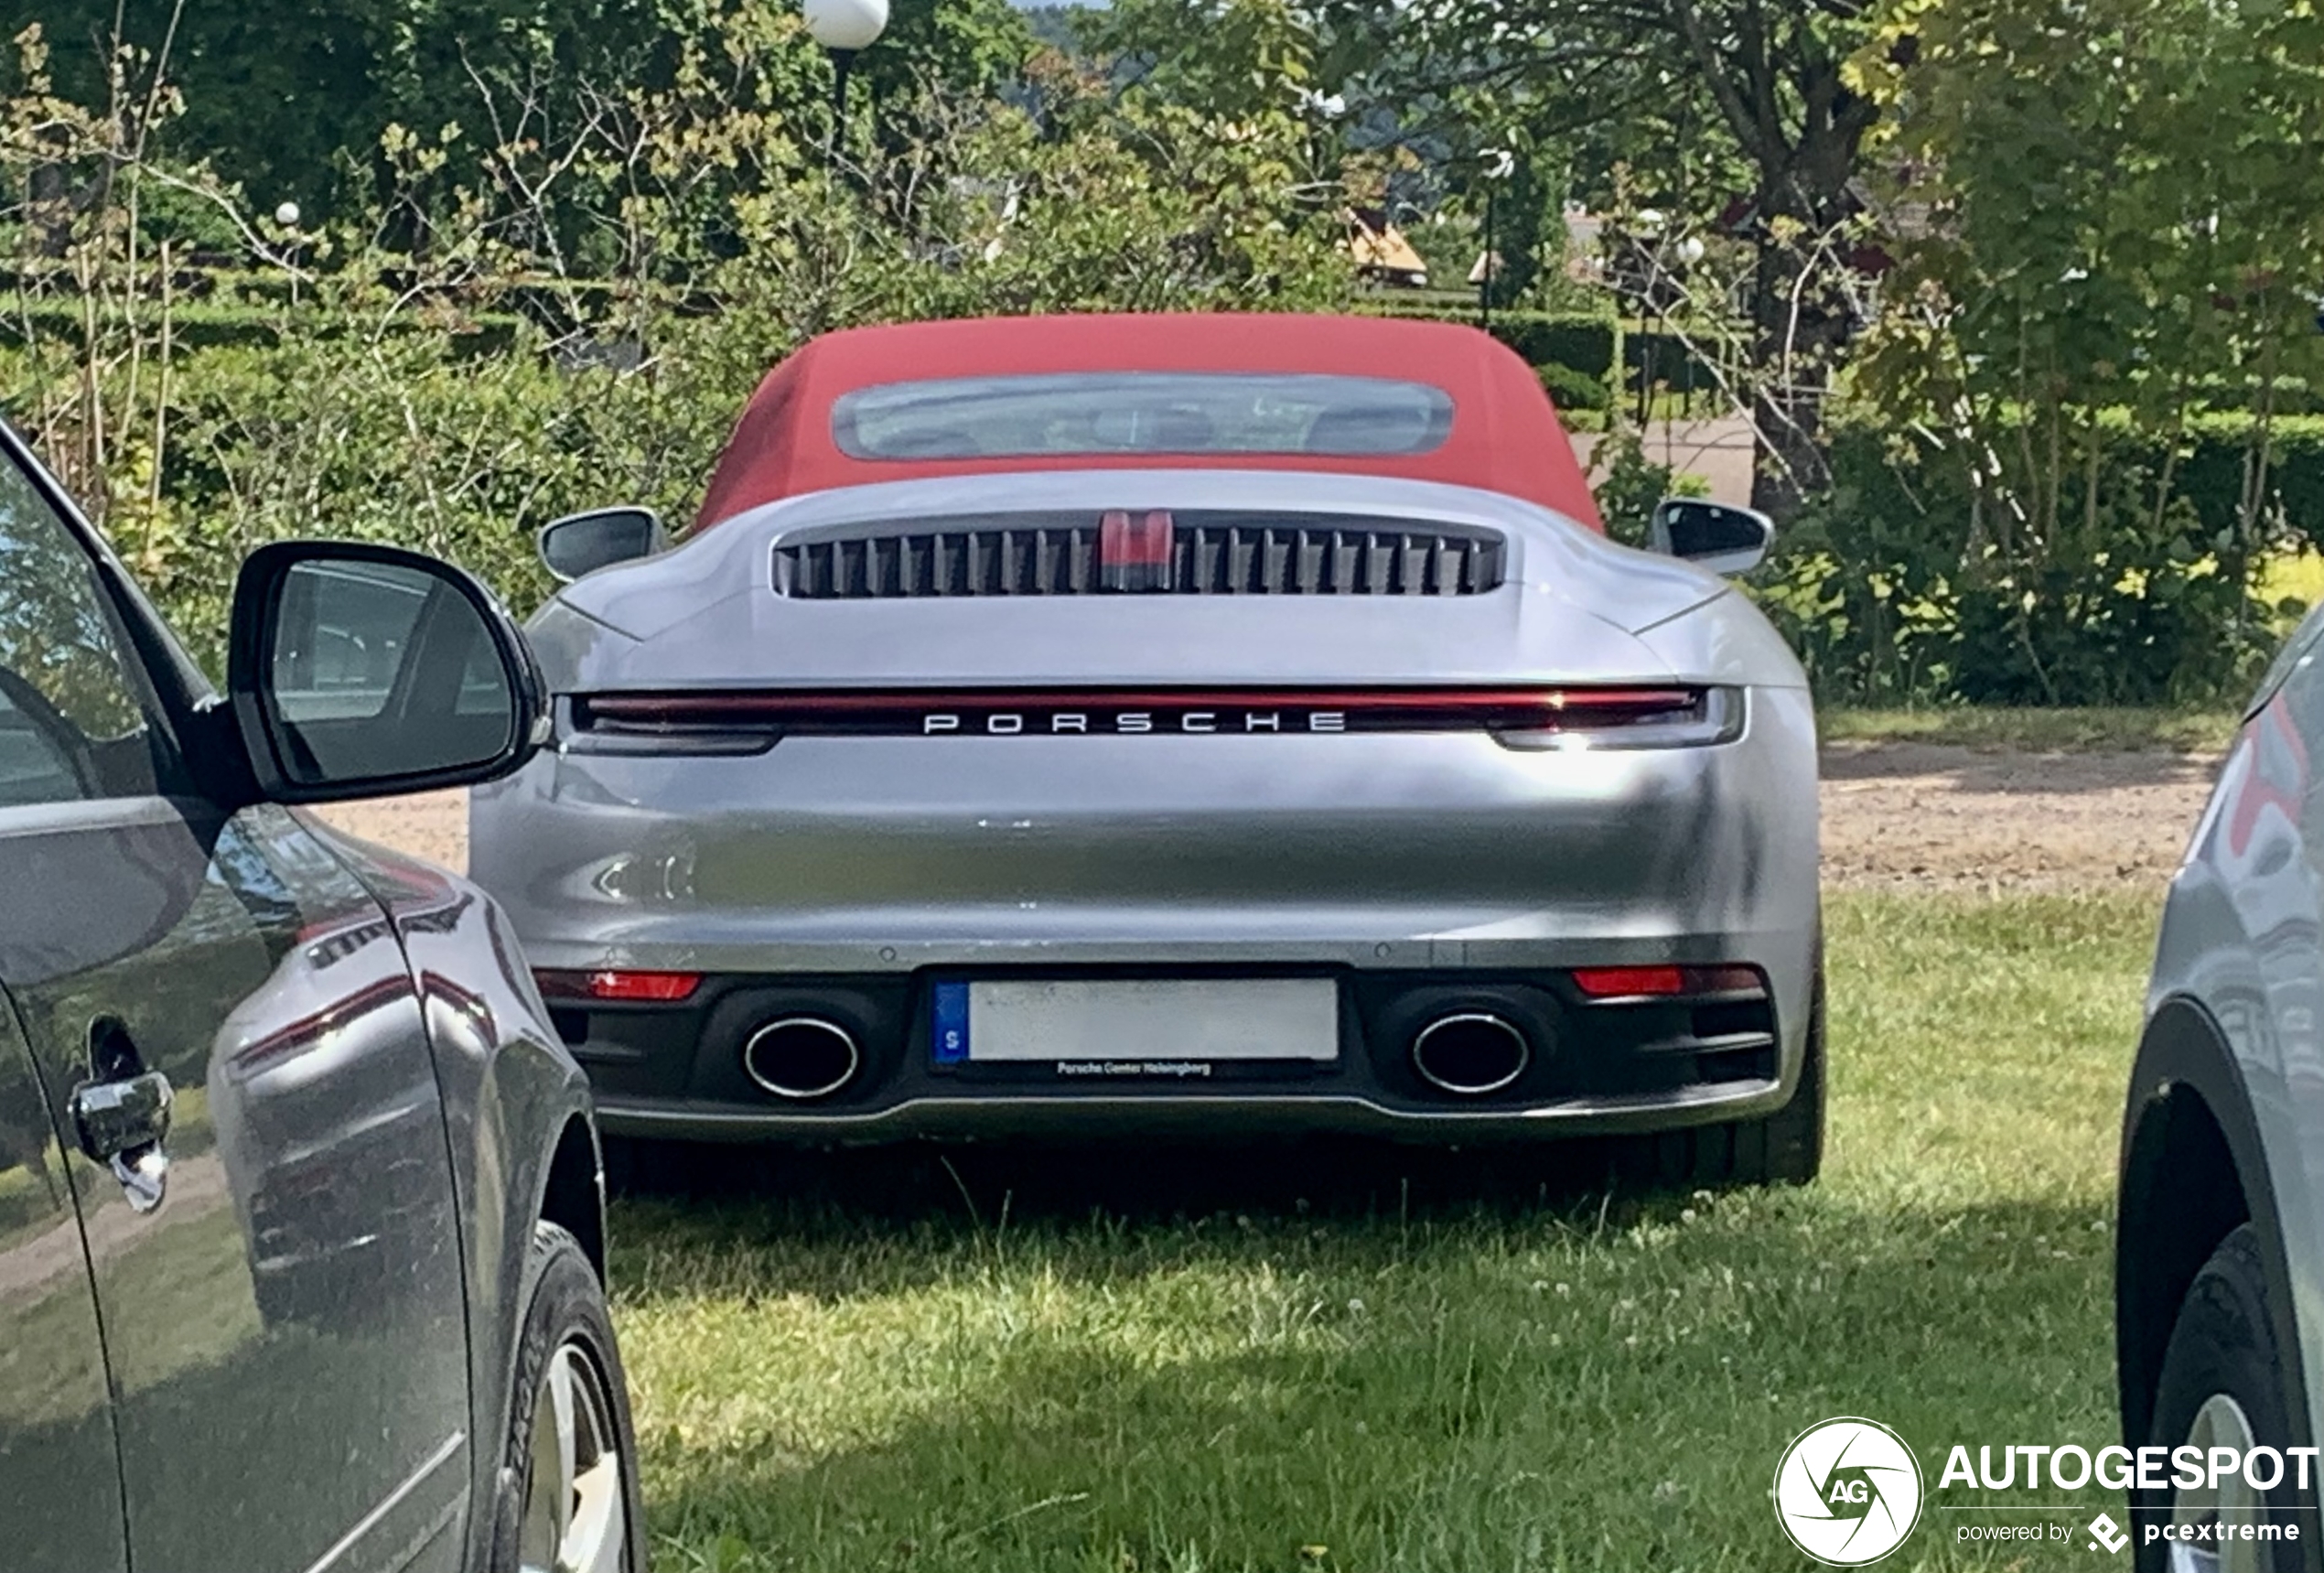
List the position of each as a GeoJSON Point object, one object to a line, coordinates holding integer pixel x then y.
{"type": "Point", "coordinates": [1401, 1373]}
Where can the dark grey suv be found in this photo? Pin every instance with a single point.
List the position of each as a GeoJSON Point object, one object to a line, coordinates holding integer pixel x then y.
{"type": "Point", "coordinates": [301, 1231]}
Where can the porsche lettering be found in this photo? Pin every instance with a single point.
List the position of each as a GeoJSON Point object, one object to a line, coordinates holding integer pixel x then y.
{"type": "Point", "coordinates": [1082, 723]}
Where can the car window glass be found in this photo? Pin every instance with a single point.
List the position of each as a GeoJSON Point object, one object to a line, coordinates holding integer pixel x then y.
{"type": "Point", "coordinates": [74, 723]}
{"type": "Point", "coordinates": [1140, 412]}
{"type": "Point", "coordinates": [37, 764]}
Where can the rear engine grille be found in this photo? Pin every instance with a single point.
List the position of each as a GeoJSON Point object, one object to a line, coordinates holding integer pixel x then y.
{"type": "Point", "coordinates": [1205, 554]}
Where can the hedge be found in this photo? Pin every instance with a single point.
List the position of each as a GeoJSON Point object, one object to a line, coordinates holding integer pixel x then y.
{"type": "Point", "coordinates": [224, 317]}
{"type": "Point", "coordinates": [1578, 343]}
{"type": "Point", "coordinates": [228, 324]}
{"type": "Point", "coordinates": [2210, 471]}
{"type": "Point", "coordinates": [1586, 343]}
{"type": "Point", "coordinates": [2146, 594]}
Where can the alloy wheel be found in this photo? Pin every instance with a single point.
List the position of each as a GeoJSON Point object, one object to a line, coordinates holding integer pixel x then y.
{"type": "Point", "coordinates": [2219, 1423]}
{"type": "Point", "coordinates": [576, 1513]}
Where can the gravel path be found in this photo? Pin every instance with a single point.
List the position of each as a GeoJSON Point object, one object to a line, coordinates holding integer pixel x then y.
{"type": "Point", "coordinates": [1896, 817]}
{"type": "Point", "coordinates": [1931, 816]}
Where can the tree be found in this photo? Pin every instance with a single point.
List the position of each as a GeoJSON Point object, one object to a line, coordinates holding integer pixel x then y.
{"type": "Point", "coordinates": [1231, 60]}
{"type": "Point", "coordinates": [292, 101]}
{"type": "Point", "coordinates": [2123, 229]}
{"type": "Point", "coordinates": [1760, 89]}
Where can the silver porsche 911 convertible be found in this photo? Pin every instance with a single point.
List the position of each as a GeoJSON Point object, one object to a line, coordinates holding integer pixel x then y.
{"type": "Point", "coordinates": [1172, 725]}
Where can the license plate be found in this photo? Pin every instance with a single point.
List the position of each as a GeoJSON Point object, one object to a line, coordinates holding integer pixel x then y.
{"type": "Point", "coordinates": [1001, 1021]}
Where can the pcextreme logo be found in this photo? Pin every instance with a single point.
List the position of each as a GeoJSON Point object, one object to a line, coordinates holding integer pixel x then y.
{"type": "Point", "coordinates": [1847, 1492]}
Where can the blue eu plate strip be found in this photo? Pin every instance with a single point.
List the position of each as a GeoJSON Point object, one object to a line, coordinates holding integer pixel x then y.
{"type": "Point", "coordinates": [951, 1023]}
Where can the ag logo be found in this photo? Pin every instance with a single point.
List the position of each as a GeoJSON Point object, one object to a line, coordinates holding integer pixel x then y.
{"type": "Point", "coordinates": [1847, 1492]}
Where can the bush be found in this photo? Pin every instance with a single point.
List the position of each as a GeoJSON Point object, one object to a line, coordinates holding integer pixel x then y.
{"type": "Point", "coordinates": [407, 441]}
{"type": "Point", "coordinates": [1572, 389]}
{"type": "Point", "coordinates": [1627, 484]}
{"type": "Point", "coordinates": [1900, 584]}
{"type": "Point", "coordinates": [456, 398]}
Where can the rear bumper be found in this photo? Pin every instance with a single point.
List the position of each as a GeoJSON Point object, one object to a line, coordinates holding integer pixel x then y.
{"type": "Point", "coordinates": [1590, 1066]}
{"type": "Point", "coordinates": [842, 877]}
{"type": "Point", "coordinates": [1185, 1115]}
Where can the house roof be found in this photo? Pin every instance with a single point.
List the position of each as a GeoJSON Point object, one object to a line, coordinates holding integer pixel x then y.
{"type": "Point", "coordinates": [1380, 246]}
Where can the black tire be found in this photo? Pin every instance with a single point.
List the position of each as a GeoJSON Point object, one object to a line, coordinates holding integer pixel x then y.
{"type": "Point", "coordinates": [2224, 1343]}
{"type": "Point", "coordinates": [565, 1308]}
{"type": "Point", "coordinates": [1784, 1146]}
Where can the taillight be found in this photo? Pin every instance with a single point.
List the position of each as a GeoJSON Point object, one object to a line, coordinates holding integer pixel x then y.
{"type": "Point", "coordinates": [627, 987]}
{"type": "Point", "coordinates": [1648, 718]}
{"type": "Point", "coordinates": [1608, 982]}
{"type": "Point", "coordinates": [1600, 983]}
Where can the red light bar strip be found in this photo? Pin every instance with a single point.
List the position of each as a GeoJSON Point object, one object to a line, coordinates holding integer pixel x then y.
{"type": "Point", "coordinates": [668, 708]}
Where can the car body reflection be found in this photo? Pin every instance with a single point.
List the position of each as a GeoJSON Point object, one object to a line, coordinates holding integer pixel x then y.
{"type": "Point", "coordinates": [325, 1121]}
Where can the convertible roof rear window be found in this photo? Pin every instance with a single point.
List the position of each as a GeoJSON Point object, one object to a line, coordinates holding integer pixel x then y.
{"type": "Point", "coordinates": [1140, 412]}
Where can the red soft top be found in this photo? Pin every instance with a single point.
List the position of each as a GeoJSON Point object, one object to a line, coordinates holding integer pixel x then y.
{"type": "Point", "coordinates": [1505, 436]}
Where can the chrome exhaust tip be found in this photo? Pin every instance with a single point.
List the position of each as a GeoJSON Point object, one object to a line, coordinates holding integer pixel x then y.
{"type": "Point", "coordinates": [1470, 1053]}
{"type": "Point", "coordinates": [801, 1057]}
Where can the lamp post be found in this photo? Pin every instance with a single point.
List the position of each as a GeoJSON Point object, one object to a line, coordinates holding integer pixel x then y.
{"type": "Point", "coordinates": [1325, 108]}
{"type": "Point", "coordinates": [288, 215]}
{"type": "Point", "coordinates": [1500, 163]}
{"type": "Point", "coordinates": [843, 28]}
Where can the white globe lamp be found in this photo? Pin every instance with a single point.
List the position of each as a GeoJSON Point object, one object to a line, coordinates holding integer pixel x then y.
{"type": "Point", "coordinates": [843, 28]}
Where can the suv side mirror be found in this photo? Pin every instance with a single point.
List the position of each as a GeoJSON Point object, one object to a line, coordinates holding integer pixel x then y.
{"type": "Point", "coordinates": [581, 543]}
{"type": "Point", "coordinates": [360, 671]}
{"type": "Point", "coordinates": [1714, 535]}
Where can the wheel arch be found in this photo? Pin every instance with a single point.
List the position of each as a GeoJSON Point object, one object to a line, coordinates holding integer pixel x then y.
{"type": "Point", "coordinates": [2192, 1170]}
{"type": "Point", "coordinates": [572, 1191]}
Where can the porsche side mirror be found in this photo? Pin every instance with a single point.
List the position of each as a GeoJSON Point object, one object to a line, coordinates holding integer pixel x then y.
{"type": "Point", "coordinates": [581, 543]}
{"type": "Point", "coordinates": [1714, 535]}
{"type": "Point", "coordinates": [360, 671]}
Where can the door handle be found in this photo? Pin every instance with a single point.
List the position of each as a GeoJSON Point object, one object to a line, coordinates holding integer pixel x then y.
{"type": "Point", "coordinates": [122, 1125]}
